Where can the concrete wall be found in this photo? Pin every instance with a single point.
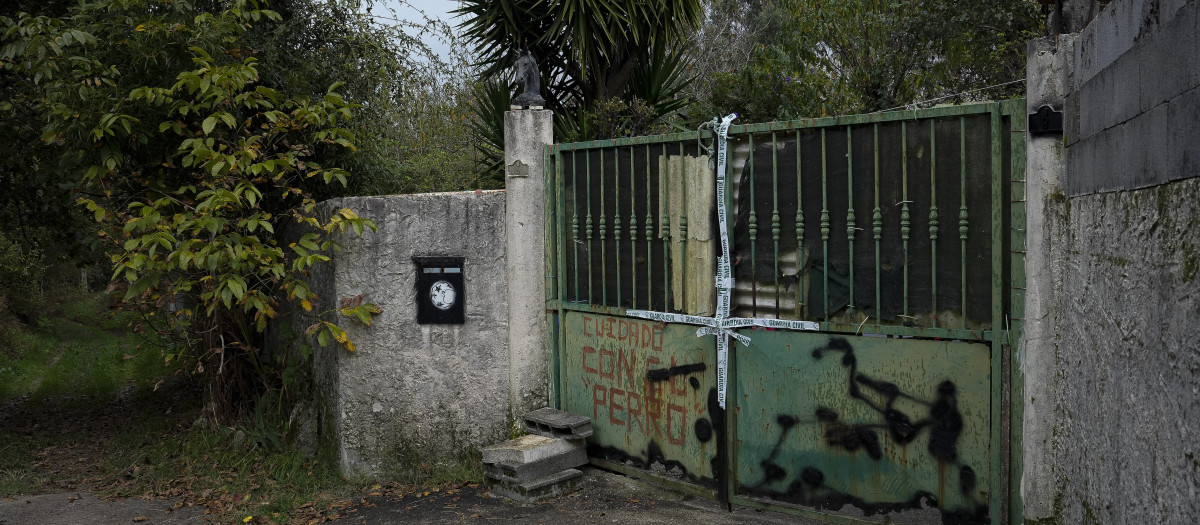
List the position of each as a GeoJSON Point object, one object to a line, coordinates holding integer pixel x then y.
{"type": "Point", "coordinates": [412, 393]}
{"type": "Point", "coordinates": [1110, 356]}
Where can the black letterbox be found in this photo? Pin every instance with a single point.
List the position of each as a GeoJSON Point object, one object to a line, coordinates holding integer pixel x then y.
{"type": "Point", "coordinates": [440, 294]}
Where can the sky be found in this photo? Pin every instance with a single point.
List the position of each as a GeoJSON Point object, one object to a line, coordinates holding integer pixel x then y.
{"type": "Point", "coordinates": [437, 9]}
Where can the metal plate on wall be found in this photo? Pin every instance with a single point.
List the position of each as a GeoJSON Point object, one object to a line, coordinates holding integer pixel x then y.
{"type": "Point", "coordinates": [881, 424]}
{"type": "Point", "coordinates": [649, 389]}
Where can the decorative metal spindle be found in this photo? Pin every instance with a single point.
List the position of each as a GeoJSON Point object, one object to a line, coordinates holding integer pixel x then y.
{"type": "Point", "coordinates": [603, 238]}
{"type": "Point", "coordinates": [850, 226]}
{"type": "Point", "coordinates": [617, 218]}
{"type": "Point", "coordinates": [753, 235]}
{"type": "Point", "coordinates": [800, 259]}
{"type": "Point", "coordinates": [825, 225]}
{"type": "Point", "coordinates": [587, 161]}
{"type": "Point", "coordinates": [649, 237]}
{"type": "Point", "coordinates": [664, 187]}
{"type": "Point", "coordinates": [905, 221]}
{"type": "Point", "coordinates": [683, 228]}
{"type": "Point", "coordinates": [575, 219]}
{"type": "Point", "coordinates": [633, 233]}
{"type": "Point", "coordinates": [933, 214]}
{"type": "Point", "coordinates": [962, 211]}
{"type": "Point", "coordinates": [775, 213]}
{"type": "Point", "coordinates": [877, 230]}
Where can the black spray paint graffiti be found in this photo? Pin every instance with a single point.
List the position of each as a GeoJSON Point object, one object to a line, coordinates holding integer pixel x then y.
{"type": "Point", "coordinates": [654, 458]}
{"type": "Point", "coordinates": [944, 423]}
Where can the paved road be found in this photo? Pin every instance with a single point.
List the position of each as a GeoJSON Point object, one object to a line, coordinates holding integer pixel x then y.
{"type": "Point", "coordinates": [604, 498]}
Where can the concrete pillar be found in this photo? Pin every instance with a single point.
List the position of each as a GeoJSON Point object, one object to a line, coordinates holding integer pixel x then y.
{"type": "Point", "coordinates": [527, 132]}
{"type": "Point", "coordinates": [1049, 71]}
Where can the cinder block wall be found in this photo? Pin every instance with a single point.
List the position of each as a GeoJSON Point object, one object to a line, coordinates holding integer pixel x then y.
{"type": "Point", "coordinates": [416, 394]}
{"type": "Point", "coordinates": [1111, 357]}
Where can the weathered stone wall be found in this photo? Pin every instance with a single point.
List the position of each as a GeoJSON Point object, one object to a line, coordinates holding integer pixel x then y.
{"type": "Point", "coordinates": [1111, 355]}
{"type": "Point", "coordinates": [413, 393]}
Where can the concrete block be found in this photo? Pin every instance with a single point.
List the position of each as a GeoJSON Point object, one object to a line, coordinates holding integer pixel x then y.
{"type": "Point", "coordinates": [528, 449]}
{"type": "Point", "coordinates": [528, 472]}
{"type": "Point", "coordinates": [1145, 143]}
{"type": "Point", "coordinates": [1096, 105]}
{"type": "Point", "coordinates": [1183, 114]}
{"type": "Point", "coordinates": [553, 423]}
{"type": "Point", "coordinates": [1167, 59]}
{"type": "Point", "coordinates": [558, 484]}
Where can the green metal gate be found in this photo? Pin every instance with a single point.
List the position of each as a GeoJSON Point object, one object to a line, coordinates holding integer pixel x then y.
{"type": "Point", "coordinates": [896, 237]}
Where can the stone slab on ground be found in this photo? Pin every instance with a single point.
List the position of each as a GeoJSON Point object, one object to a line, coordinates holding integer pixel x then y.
{"type": "Point", "coordinates": [557, 424]}
{"type": "Point", "coordinates": [525, 472]}
{"type": "Point", "coordinates": [77, 508]}
{"type": "Point", "coordinates": [528, 449]}
{"type": "Point", "coordinates": [552, 486]}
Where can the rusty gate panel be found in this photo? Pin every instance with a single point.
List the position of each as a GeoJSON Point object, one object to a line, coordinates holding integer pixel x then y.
{"type": "Point", "coordinates": [650, 391]}
{"type": "Point", "coordinates": [880, 424]}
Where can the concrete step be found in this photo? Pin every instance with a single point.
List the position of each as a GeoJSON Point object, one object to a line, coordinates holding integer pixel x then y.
{"type": "Point", "coordinates": [557, 424]}
{"type": "Point", "coordinates": [529, 449]}
{"type": "Point", "coordinates": [552, 486]}
{"type": "Point", "coordinates": [527, 472]}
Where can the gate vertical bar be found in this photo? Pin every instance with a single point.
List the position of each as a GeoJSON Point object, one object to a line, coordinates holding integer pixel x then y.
{"type": "Point", "coordinates": [801, 297]}
{"type": "Point", "coordinates": [824, 228]}
{"type": "Point", "coordinates": [753, 234]}
{"type": "Point", "coordinates": [904, 216]}
{"type": "Point", "coordinates": [575, 220]}
{"type": "Point", "coordinates": [617, 218]}
{"type": "Point", "coordinates": [560, 258]}
{"type": "Point", "coordinates": [603, 237]}
{"type": "Point", "coordinates": [933, 217]}
{"type": "Point", "coordinates": [665, 220]}
{"type": "Point", "coordinates": [877, 230]}
{"type": "Point", "coordinates": [998, 493]}
{"type": "Point", "coordinates": [633, 233]}
{"type": "Point", "coordinates": [649, 237]}
{"type": "Point", "coordinates": [1016, 460]}
{"type": "Point", "coordinates": [775, 214]}
{"type": "Point", "coordinates": [850, 226]}
{"type": "Point", "coordinates": [587, 163]}
{"type": "Point", "coordinates": [962, 211]}
{"type": "Point", "coordinates": [683, 229]}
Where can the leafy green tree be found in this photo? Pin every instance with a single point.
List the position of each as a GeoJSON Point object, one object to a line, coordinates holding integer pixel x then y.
{"type": "Point", "coordinates": [588, 52]}
{"type": "Point", "coordinates": [192, 164]}
{"type": "Point", "coordinates": [851, 56]}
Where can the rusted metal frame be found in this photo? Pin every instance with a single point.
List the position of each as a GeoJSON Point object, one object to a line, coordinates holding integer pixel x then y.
{"type": "Point", "coordinates": [864, 118]}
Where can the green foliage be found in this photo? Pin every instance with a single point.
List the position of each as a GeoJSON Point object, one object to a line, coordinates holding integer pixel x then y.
{"type": "Point", "coordinates": [192, 165]}
{"type": "Point", "coordinates": [588, 52]}
{"type": "Point", "coordinates": [79, 348]}
{"type": "Point", "coordinates": [854, 56]}
{"type": "Point", "coordinates": [21, 270]}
